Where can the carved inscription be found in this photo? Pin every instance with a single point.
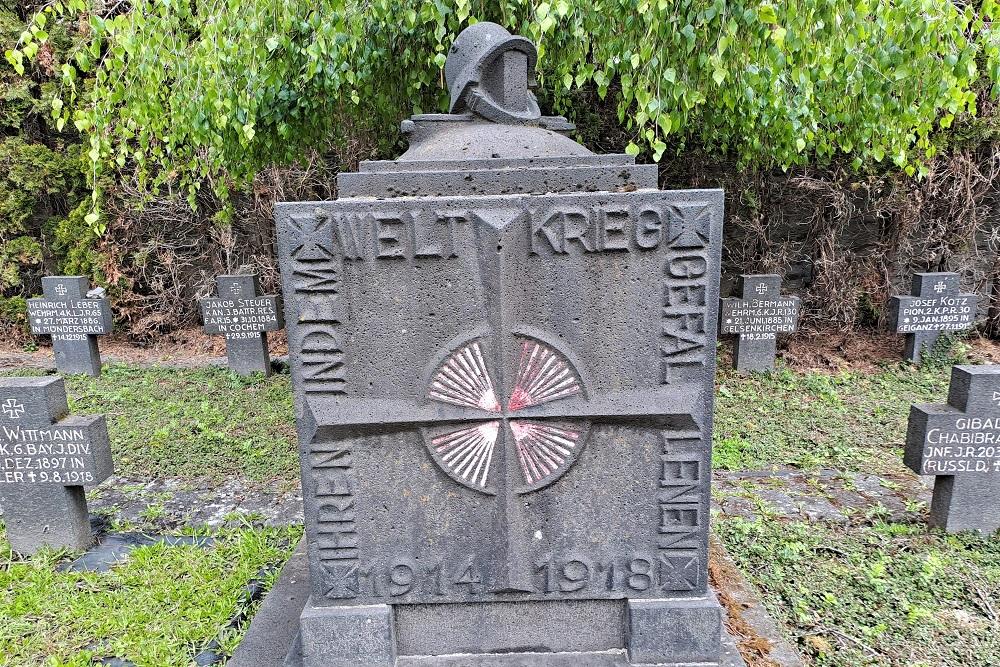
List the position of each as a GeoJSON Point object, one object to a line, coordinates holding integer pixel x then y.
{"type": "Point", "coordinates": [685, 281]}
{"type": "Point", "coordinates": [947, 313]}
{"type": "Point", "coordinates": [335, 536]}
{"type": "Point", "coordinates": [73, 319]}
{"type": "Point", "coordinates": [962, 444]}
{"type": "Point", "coordinates": [552, 575]}
{"type": "Point", "coordinates": [241, 318]}
{"type": "Point", "coordinates": [482, 406]}
{"type": "Point", "coordinates": [681, 524]}
{"type": "Point", "coordinates": [320, 312]}
{"type": "Point", "coordinates": [409, 233]}
{"type": "Point", "coordinates": [611, 227]}
{"type": "Point", "coordinates": [756, 319]}
{"type": "Point", "coordinates": [51, 455]}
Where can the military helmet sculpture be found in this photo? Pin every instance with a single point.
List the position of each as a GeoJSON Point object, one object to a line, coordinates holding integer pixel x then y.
{"type": "Point", "coordinates": [476, 77]}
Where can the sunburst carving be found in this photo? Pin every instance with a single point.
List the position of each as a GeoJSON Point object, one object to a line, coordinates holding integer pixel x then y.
{"type": "Point", "coordinates": [543, 449]}
{"type": "Point", "coordinates": [542, 375]}
{"type": "Point", "coordinates": [463, 379]}
{"type": "Point", "coordinates": [468, 452]}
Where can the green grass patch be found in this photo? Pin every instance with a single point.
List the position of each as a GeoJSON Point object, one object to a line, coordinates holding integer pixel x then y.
{"type": "Point", "coordinates": [851, 421]}
{"type": "Point", "coordinates": [882, 594]}
{"type": "Point", "coordinates": [157, 609]}
{"type": "Point", "coordinates": [192, 422]}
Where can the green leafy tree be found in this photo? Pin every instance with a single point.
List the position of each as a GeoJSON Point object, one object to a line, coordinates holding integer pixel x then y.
{"type": "Point", "coordinates": [188, 94]}
{"type": "Point", "coordinates": [40, 179]}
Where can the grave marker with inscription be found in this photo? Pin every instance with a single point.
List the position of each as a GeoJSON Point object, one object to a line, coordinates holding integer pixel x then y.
{"type": "Point", "coordinates": [243, 316]}
{"type": "Point", "coordinates": [504, 392]}
{"type": "Point", "coordinates": [934, 306]}
{"type": "Point", "coordinates": [756, 318]}
{"type": "Point", "coordinates": [46, 458]}
{"type": "Point", "coordinates": [959, 443]}
{"type": "Point", "coordinates": [74, 320]}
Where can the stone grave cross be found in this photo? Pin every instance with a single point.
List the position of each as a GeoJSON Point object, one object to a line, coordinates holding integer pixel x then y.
{"type": "Point", "coordinates": [46, 458]}
{"type": "Point", "coordinates": [933, 306]}
{"type": "Point", "coordinates": [755, 318]}
{"type": "Point", "coordinates": [73, 320]}
{"type": "Point", "coordinates": [243, 316]}
{"type": "Point", "coordinates": [959, 443]}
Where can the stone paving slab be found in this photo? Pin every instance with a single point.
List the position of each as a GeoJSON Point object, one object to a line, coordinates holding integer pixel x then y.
{"type": "Point", "coordinates": [170, 502]}
{"type": "Point", "coordinates": [820, 495]}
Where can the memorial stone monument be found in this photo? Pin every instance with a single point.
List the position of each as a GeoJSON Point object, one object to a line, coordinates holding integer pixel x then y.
{"type": "Point", "coordinates": [756, 318]}
{"type": "Point", "coordinates": [503, 348]}
{"type": "Point", "coordinates": [46, 458]}
{"type": "Point", "coordinates": [934, 306]}
{"type": "Point", "coordinates": [243, 316]}
{"type": "Point", "coordinates": [74, 317]}
{"type": "Point", "coordinates": [960, 443]}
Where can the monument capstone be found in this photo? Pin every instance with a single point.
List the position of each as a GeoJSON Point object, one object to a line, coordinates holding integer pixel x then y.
{"type": "Point", "coordinates": [74, 315]}
{"type": "Point", "coordinates": [502, 348]}
{"type": "Point", "coordinates": [46, 458]}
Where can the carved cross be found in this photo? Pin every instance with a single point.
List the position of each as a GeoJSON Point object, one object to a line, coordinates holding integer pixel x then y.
{"type": "Point", "coordinates": [959, 443]}
{"type": "Point", "coordinates": [73, 320]}
{"type": "Point", "coordinates": [243, 316]}
{"type": "Point", "coordinates": [755, 318]}
{"type": "Point", "coordinates": [506, 412]}
{"type": "Point", "coordinates": [933, 306]}
{"type": "Point", "coordinates": [46, 458]}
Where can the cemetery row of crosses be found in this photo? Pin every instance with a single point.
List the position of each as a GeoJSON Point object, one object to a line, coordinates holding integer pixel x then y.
{"type": "Point", "coordinates": [442, 336]}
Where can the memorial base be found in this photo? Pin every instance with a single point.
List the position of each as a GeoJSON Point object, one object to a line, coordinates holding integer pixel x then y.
{"type": "Point", "coordinates": [46, 516]}
{"type": "Point", "coordinates": [614, 633]}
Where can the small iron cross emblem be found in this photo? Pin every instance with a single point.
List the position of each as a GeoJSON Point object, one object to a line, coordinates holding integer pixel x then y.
{"type": "Point", "coordinates": [12, 408]}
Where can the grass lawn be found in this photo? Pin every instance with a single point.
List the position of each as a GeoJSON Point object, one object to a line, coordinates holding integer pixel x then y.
{"type": "Point", "coordinates": [166, 422]}
{"type": "Point", "coordinates": [158, 609]}
{"type": "Point", "coordinates": [851, 421]}
{"type": "Point", "coordinates": [878, 594]}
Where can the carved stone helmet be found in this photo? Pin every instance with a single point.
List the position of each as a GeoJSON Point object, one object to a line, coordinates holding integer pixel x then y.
{"type": "Point", "coordinates": [490, 73]}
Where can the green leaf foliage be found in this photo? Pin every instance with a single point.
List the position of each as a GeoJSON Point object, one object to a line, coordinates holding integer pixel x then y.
{"type": "Point", "coordinates": [194, 93]}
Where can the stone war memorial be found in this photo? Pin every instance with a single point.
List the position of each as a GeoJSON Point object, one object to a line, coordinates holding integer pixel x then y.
{"type": "Point", "coordinates": [755, 318]}
{"type": "Point", "coordinates": [46, 458]}
{"type": "Point", "coordinates": [502, 349]}
{"type": "Point", "coordinates": [243, 316]}
{"type": "Point", "coordinates": [934, 306]}
{"type": "Point", "coordinates": [74, 316]}
{"type": "Point", "coordinates": [959, 443]}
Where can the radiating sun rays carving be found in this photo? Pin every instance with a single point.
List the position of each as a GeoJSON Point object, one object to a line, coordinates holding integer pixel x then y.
{"type": "Point", "coordinates": [544, 447]}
